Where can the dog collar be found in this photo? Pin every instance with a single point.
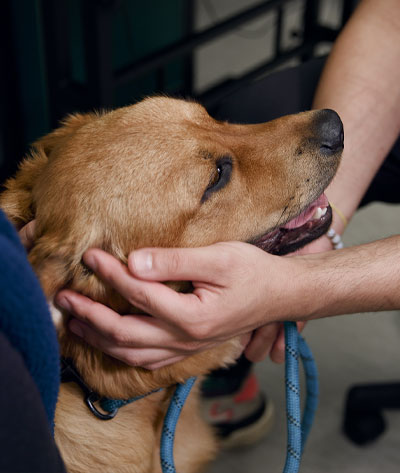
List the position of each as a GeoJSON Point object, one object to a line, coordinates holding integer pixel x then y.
{"type": "Point", "coordinates": [70, 374]}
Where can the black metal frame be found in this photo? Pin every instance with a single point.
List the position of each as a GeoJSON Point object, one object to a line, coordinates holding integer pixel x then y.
{"type": "Point", "coordinates": [65, 95]}
{"type": "Point", "coordinates": [102, 80]}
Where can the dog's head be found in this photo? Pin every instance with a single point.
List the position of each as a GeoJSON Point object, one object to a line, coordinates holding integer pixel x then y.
{"type": "Point", "coordinates": [164, 173]}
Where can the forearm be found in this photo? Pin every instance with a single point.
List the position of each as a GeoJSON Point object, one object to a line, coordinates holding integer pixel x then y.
{"type": "Point", "coordinates": [359, 279]}
{"type": "Point", "coordinates": [361, 82]}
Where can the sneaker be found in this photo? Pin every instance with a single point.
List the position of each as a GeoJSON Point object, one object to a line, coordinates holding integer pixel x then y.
{"type": "Point", "coordinates": [241, 417]}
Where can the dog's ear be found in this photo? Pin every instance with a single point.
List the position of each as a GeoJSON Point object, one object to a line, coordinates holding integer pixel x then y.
{"type": "Point", "coordinates": [16, 200]}
{"type": "Point", "coordinates": [57, 260]}
{"type": "Point", "coordinates": [51, 264]}
{"type": "Point", "coordinates": [68, 126]}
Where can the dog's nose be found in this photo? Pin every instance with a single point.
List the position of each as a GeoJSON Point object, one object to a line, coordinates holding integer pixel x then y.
{"type": "Point", "coordinates": [329, 129]}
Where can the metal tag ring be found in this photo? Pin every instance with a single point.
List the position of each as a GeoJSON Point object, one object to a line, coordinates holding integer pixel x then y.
{"type": "Point", "coordinates": [93, 397]}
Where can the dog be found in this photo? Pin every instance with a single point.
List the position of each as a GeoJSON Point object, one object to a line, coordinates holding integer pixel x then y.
{"type": "Point", "coordinates": [160, 173]}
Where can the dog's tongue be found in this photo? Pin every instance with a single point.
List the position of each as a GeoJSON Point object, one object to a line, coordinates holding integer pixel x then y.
{"type": "Point", "coordinates": [321, 203]}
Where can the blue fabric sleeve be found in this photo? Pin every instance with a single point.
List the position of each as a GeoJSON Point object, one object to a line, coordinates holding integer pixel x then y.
{"type": "Point", "coordinates": [25, 318]}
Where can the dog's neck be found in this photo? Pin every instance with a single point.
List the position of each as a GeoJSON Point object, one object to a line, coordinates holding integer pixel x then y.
{"type": "Point", "coordinates": [109, 407]}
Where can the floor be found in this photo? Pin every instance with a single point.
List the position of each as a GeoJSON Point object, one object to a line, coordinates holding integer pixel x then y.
{"type": "Point", "coordinates": [348, 349]}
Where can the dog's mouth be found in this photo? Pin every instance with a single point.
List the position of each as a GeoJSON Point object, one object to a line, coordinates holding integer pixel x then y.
{"type": "Point", "coordinates": [309, 225]}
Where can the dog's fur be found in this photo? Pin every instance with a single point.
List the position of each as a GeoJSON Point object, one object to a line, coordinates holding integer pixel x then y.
{"type": "Point", "coordinates": [137, 177]}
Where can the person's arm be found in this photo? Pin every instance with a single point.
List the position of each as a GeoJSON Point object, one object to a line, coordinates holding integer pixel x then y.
{"type": "Point", "coordinates": [363, 278]}
{"type": "Point", "coordinates": [361, 81]}
{"type": "Point", "coordinates": [358, 279]}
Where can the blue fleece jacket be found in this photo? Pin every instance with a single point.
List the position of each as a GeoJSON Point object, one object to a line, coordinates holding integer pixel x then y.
{"type": "Point", "coordinates": [25, 318]}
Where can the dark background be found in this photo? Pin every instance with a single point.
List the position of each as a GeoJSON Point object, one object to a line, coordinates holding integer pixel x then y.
{"type": "Point", "coordinates": [62, 56]}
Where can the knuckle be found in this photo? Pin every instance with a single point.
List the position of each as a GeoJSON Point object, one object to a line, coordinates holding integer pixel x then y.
{"type": "Point", "coordinates": [110, 269]}
{"type": "Point", "coordinates": [104, 270]}
{"type": "Point", "coordinates": [223, 261]}
{"type": "Point", "coordinates": [229, 261]}
{"type": "Point", "coordinates": [267, 333]}
{"type": "Point", "coordinates": [87, 308]}
{"type": "Point", "coordinates": [174, 262]}
{"type": "Point", "coordinates": [134, 357]}
{"type": "Point", "coordinates": [131, 358]}
{"type": "Point", "coordinates": [197, 332]}
{"type": "Point", "coordinates": [119, 336]}
{"type": "Point", "coordinates": [202, 332]}
{"type": "Point", "coordinates": [189, 348]}
{"type": "Point", "coordinates": [140, 296]}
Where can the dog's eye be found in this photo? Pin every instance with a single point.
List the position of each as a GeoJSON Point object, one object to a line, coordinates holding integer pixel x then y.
{"type": "Point", "coordinates": [220, 177]}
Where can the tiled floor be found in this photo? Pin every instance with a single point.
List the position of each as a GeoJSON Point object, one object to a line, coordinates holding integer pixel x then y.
{"type": "Point", "coordinates": [348, 349]}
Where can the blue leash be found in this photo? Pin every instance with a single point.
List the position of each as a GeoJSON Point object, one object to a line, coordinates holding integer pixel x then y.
{"type": "Point", "coordinates": [298, 429]}
{"type": "Point", "coordinates": [171, 419]}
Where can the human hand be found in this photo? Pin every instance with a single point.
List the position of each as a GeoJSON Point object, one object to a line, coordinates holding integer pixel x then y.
{"type": "Point", "coordinates": [270, 339]}
{"type": "Point", "coordinates": [27, 234]}
{"type": "Point", "coordinates": [264, 341]}
{"type": "Point", "coordinates": [237, 288]}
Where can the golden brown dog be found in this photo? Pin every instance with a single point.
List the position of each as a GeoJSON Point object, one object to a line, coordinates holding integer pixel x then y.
{"type": "Point", "coordinates": [160, 173]}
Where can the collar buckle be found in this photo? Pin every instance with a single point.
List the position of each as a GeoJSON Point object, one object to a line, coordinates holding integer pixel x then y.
{"type": "Point", "coordinates": [69, 374]}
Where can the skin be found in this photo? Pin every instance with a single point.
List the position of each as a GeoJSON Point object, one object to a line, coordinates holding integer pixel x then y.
{"type": "Point", "coordinates": [238, 288]}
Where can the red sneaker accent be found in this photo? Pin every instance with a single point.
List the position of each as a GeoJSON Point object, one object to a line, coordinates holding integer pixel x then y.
{"type": "Point", "coordinates": [249, 391]}
{"type": "Point", "coordinates": [219, 413]}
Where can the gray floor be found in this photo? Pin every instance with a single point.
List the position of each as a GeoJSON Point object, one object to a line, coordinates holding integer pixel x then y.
{"type": "Point", "coordinates": [348, 349]}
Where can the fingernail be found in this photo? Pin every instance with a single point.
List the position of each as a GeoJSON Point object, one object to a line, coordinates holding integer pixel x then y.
{"type": "Point", "coordinates": [142, 261]}
{"type": "Point", "coordinates": [64, 303]}
{"type": "Point", "coordinates": [90, 261]}
{"type": "Point", "coordinates": [76, 329]}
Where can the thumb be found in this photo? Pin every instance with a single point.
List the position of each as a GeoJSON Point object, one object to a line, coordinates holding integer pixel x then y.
{"type": "Point", "coordinates": [206, 264]}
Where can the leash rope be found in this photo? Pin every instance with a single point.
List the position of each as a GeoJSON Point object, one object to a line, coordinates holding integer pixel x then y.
{"type": "Point", "coordinates": [298, 429]}
{"type": "Point", "coordinates": [293, 420]}
{"type": "Point", "coordinates": [312, 388]}
{"type": "Point", "coordinates": [171, 419]}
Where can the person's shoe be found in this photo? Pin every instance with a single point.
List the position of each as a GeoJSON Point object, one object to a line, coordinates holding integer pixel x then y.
{"type": "Point", "coordinates": [241, 417]}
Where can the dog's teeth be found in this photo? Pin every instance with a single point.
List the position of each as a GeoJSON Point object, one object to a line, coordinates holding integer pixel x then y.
{"type": "Point", "coordinates": [317, 214]}
{"type": "Point", "coordinates": [324, 211]}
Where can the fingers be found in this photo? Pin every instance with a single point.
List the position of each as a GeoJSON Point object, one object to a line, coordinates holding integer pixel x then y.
{"type": "Point", "coordinates": [268, 340]}
{"type": "Point", "coordinates": [207, 264]}
{"type": "Point", "coordinates": [109, 332]}
{"type": "Point", "coordinates": [245, 340]}
{"type": "Point", "coordinates": [27, 234]}
{"type": "Point", "coordinates": [100, 325]}
{"type": "Point", "coordinates": [91, 313]}
{"type": "Point", "coordinates": [300, 326]}
{"type": "Point", "coordinates": [149, 358]}
{"type": "Point", "coordinates": [262, 342]}
{"type": "Point", "coordinates": [182, 324]}
{"type": "Point", "coordinates": [152, 297]}
{"type": "Point", "coordinates": [277, 353]}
